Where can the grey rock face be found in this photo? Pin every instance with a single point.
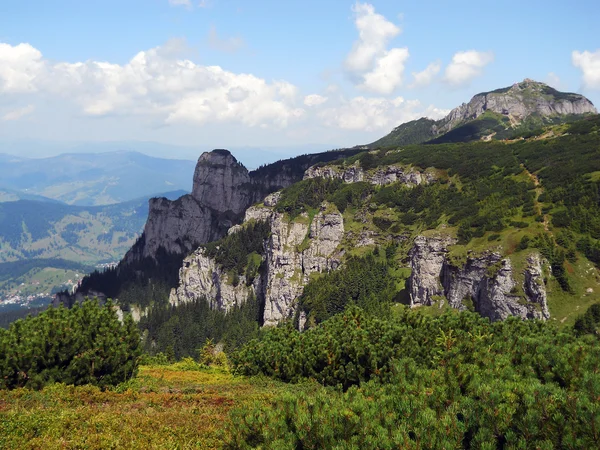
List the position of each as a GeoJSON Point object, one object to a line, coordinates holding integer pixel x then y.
{"type": "Point", "coordinates": [221, 182]}
{"type": "Point", "coordinates": [534, 287]}
{"type": "Point", "coordinates": [380, 177]}
{"type": "Point", "coordinates": [486, 280]}
{"type": "Point", "coordinates": [427, 258]}
{"type": "Point", "coordinates": [222, 191]}
{"type": "Point", "coordinates": [293, 251]}
{"type": "Point", "coordinates": [519, 101]}
{"type": "Point", "coordinates": [200, 277]}
{"type": "Point", "coordinates": [176, 226]}
{"type": "Point", "coordinates": [289, 265]}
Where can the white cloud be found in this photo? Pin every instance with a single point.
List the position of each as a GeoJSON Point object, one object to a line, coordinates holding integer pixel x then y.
{"type": "Point", "coordinates": [426, 77]}
{"type": "Point", "coordinates": [18, 113]}
{"type": "Point", "coordinates": [466, 66]}
{"type": "Point", "coordinates": [186, 3]}
{"type": "Point", "coordinates": [231, 44]}
{"type": "Point", "coordinates": [374, 31]}
{"type": "Point", "coordinates": [19, 67]}
{"type": "Point", "coordinates": [589, 64]}
{"type": "Point", "coordinates": [388, 72]}
{"type": "Point", "coordinates": [154, 82]}
{"type": "Point", "coordinates": [372, 114]}
{"type": "Point", "coordinates": [375, 68]}
{"type": "Point", "coordinates": [314, 100]}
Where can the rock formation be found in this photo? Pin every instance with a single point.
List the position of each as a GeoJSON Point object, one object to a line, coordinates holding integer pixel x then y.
{"type": "Point", "coordinates": [486, 280]}
{"type": "Point", "coordinates": [295, 249]}
{"type": "Point", "coordinates": [519, 101]}
{"type": "Point", "coordinates": [222, 191]}
{"type": "Point", "coordinates": [378, 177]}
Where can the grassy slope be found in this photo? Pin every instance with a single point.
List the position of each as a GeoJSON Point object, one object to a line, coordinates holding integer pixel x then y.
{"type": "Point", "coordinates": [164, 407]}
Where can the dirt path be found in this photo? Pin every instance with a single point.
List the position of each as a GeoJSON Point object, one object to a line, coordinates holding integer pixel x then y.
{"type": "Point", "coordinates": [538, 191]}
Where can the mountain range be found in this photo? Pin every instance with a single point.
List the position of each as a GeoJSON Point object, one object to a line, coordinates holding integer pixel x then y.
{"type": "Point", "coordinates": [501, 226]}
{"type": "Point", "coordinates": [45, 244]}
{"type": "Point", "coordinates": [93, 178]}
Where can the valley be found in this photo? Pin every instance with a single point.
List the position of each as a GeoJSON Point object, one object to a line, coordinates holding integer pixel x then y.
{"type": "Point", "coordinates": [46, 247]}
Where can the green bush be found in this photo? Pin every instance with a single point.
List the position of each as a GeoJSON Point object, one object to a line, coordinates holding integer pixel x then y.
{"type": "Point", "coordinates": [416, 381]}
{"type": "Point", "coordinates": [83, 345]}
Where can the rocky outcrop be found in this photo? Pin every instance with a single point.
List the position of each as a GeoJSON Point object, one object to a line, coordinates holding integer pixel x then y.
{"type": "Point", "coordinates": [379, 177]}
{"type": "Point", "coordinates": [427, 257]}
{"type": "Point", "coordinates": [201, 276]}
{"type": "Point", "coordinates": [519, 101]}
{"type": "Point", "coordinates": [222, 190]}
{"type": "Point", "coordinates": [533, 286]}
{"type": "Point", "coordinates": [486, 282]}
{"type": "Point", "coordinates": [221, 183]}
{"type": "Point", "coordinates": [294, 250]}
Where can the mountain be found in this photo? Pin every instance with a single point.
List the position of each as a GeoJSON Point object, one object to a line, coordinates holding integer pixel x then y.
{"type": "Point", "coordinates": [11, 195]}
{"type": "Point", "coordinates": [500, 114]}
{"type": "Point", "coordinates": [89, 234]}
{"type": "Point", "coordinates": [502, 228]}
{"type": "Point", "coordinates": [93, 178]}
{"type": "Point", "coordinates": [48, 244]}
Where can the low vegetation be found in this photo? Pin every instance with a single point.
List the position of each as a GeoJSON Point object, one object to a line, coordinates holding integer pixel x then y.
{"type": "Point", "coordinates": [416, 381]}
{"type": "Point", "coordinates": [86, 344]}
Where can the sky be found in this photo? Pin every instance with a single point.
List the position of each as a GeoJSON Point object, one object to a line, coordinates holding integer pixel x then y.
{"type": "Point", "coordinates": [285, 76]}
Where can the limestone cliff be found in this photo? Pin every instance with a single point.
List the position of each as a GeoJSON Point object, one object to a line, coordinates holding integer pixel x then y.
{"type": "Point", "coordinates": [518, 101]}
{"type": "Point", "coordinates": [380, 177]}
{"type": "Point", "coordinates": [522, 102]}
{"type": "Point", "coordinates": [201, 276]}
{"type": "Point", "coordinates": [222, 191]}
{"type": "Point", "coordinates": [295, 249]}
{"type": "Point", "coordinates": [487, 281]}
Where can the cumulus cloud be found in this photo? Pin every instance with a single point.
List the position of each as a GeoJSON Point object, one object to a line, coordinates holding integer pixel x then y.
{"type": "Point", "coordinates": [314, 100]}
{"type": "Point", "coordinates": [589, 64]}
{"type": "Point", "coordinates": [154, 82]}
{"type": "Point", "coordinates": [426, 77]}
{"type": "Point", "coordinates": [374, 32]}
{"type": "Point", "coordinates": [18, 113]}
{"type": "Point", "coordinates": [230, 44]}
{"type": "Point", "coordinates": [466, 66]}
{"type": "Point", "coordinates": [20, 66]}
{"type": "Point", "coordinates": [388, 72]}
{"type": "Point", "coordinates": [379, 70]}
{"type": "Point", "coordinates": [372, 114]}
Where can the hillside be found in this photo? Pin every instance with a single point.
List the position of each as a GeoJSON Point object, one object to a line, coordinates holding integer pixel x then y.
{"type": "Point", "coordinates": [500, 228]}
{"type": "Point", "coordinates": [89, 179]}
{"type": "Point", "coordinates": [504, 113]}
{"type": "Point", "coordinates": [47, 245]}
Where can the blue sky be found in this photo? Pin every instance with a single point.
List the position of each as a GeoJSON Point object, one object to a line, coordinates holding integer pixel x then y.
{"type": "Point", "coordinates": [273, 74]}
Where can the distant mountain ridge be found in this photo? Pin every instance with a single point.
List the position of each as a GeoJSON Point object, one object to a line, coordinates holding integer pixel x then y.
{"type": "Point", "coordinates": [87, 234]}
{"type": "Point", "coordinates": [498, 114]}
{"type": "Point", "coordinates": [93, 178]}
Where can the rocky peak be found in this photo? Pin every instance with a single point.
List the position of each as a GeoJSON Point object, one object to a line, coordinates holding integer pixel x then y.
{"type": "Point", "coordinates": [220, 182]}
{"type": "Point", "coordinates": [518, 101]}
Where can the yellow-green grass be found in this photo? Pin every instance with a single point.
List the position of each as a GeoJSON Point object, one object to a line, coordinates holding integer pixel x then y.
{"type": "Point", "coordinates": [164, 407]}
{"type": "Point", "coordinates": [585, 280]}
